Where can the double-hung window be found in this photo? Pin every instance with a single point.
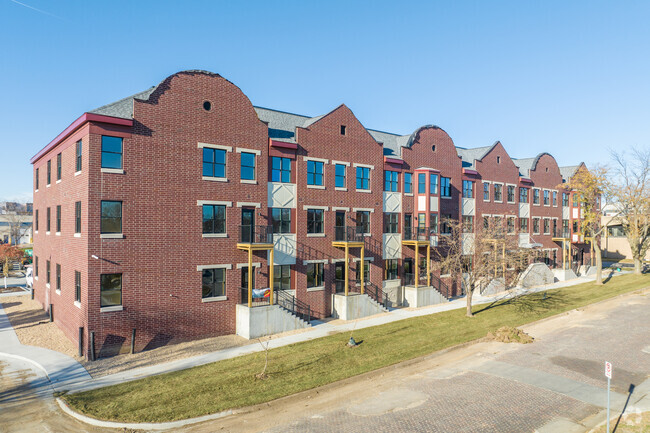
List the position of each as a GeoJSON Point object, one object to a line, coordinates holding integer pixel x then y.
{"type": "Point", "coordinates": [314, 220]}
{"type": "Point", "coordinates": [58, 166]}
{"type": "Point", "coordinates": [37, 180]}
{"type": "Point", "coordinates": [366, 271]}
{"type": "Point", "coordinates": [536, 226]}
{"type": "Point", "coordinates": [468, 189]}
{"type": "Point", "coordinates": [433, 222]}
{"type": "Point", "coordinates": [282, 277]}
{"type": "Point", "coordinates": [58, 277]}
{"type": "Point", "coordinates": [214, 219]}
{"type": "Point", "coordinates": [49, 172]}
{"type": "Point", "coordinates": [468, 224]}
{"type": "Point", "coordinates": [363, 178]}
{"type": "Point", "coordinates": [78, 156]}
{"type": "Point", "coordinates": [510, 224]}
{"type": "Point", "coordinates": [391, 222]}
{"type": "Point", "coordinates": [315, 173]}
{"type": "Point", "coordinates": [486, 191]}
{"type": "Point", "coordinates": [111, 152]}
{"type": "Point", "coordinates": [547, 198]}
{"type": "Point", "coordinates": [422, 183]}
{"type": "Point", "coordinates": [111, 217]}
{"type": "Point", "coordinates": [523, 225]}
{"type": "Point", "coordinates": [565, 199]}
{"type": "Point", "coordinates": [511, 193]}
{"type": "Point", "coordinates": [339, 176]}
{"type": "Point", "coordinates": [315, 275]}
{"type": "Point", "coordinates": [445, 229]}
{"type": "Point", "coordinates": [390, 182]}
{"type": "Point", "coordinates": [408, 183]}
{"type": "Point", "coordinates": [547, 226]}
{"type": "Point", "coordinates": [77, 286]}
{"type": "Point", "coordinates": [363, 221]}
{"type": "Point", "coordinates": [47, 220]}
{"type": "Point", "coordinates": [536, 196]}
{"type": "Point", "coordinates": [498, 194]}
{"type": "Point", "coordinates": [391, 269]}
{"type": "Point", "coordinates": [110, 292]}
{"type": "Point", "coordinates": [433, 185]}
{"type": "Point", "coordinates": [36, 220]}
{"type": "Point", "coordinates": [47, 272]}
{"type": "Point", "coordinates": [554, 198]}
{"type": "Point", "coordinates": [213, 283]}
{"type": "Point", "coordinates": [280, 169]}
{"type": "Point", "coordinates": [77, 217]}
{"type": "Point", "coordinates": [58, 219]}
{"type": "Point", "coordinates": [247, 166]}
{"type": "Point", "coordinates": [281, 218]}
{"type": "Point", "coordinates": [214, 163]}
{"type": "Point", "coordinates": [523, 195]}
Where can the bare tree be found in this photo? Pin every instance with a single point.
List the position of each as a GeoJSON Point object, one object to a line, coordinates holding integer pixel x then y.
{"type": "Point", "coordinates": [630, 196]}
{"type": "Point", "coordinates": [476, 256]}
{"type": "Point", "coordinates": [17, 226]}
{"type": "Point", "coordinates": [591, 186]}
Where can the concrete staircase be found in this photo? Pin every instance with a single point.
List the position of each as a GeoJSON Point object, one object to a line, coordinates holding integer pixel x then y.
{"type": "Point", "coordinates": [355, 306]}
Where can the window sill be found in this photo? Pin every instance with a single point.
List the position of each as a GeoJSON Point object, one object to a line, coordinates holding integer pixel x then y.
{"type": "Point", "coordinates": [367, 191]}
{"type": "Point", "coordinates": [215, 179]}
{"type": "Point", "coordinates": [110, 309]}
{"type": "Point", "coordinates": [340, 188]}
{"type": "Point", "coordinates": [36, 232]}
{"type": "Point", "coordinates": [77, 304]}
{"type": "Point", "coordinates": [315, 235]}
{"type": "Point", "coordinates": [47, 285]}
{"type": "Point", "coordinates": [58, 292]}
{"type": "Point", "coordinates": [77, 173]}
{"type": "Point", "coordinates": [315, 289]}
{"type": "Point", "coordinates": [58, 181]}
{"type": "Point", "coordinates": [511, 202]}
{"type": "Point", "coordinates": [408, 194]}
{"type": "Point", "coordinates": [248, 181]}
{"type": "Point", "coordinates": [36, 278]}
{"type": "Point", "coordinates": [112, 170]}
{"type": "Point", "coordinates": [367, 234]}
{"type": "Point", "coordinates": [77, 235]}
{"type": "Point", "coordinates": [445, 275]}
{"type": "Point", "coordinates": [498, 201]}
{"type": "Point", "coordinates": [535, 204]}
{"type": "Point", "coordinates": [47, 233]}
{"type": "Point", "coordinates": [316, 186]}
{"type": "Point", "coordinates": [57, 234]}
{"type": "Point", "coordinates": [215, 299]}
{"type": "Point", "coordinates": [111, 236]}
{"type": "Point", "coordinates": [445, 197]}
{"type": "Point", "coordinates": [47, 186]}
{"type": "Point", "coordinates": [36, 190]}
{"type": "Point", "coordinates": [214, 235]}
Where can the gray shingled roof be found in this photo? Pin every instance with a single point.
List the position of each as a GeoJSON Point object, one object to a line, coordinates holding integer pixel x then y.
{"type": "Point", "coordinates": [469, 156]}
{"type": "Point", "coordinates": [568, 172]}
{"type": "Point", "coordinates": [282, 125]}
{"type": "Point", "coordinates": [393, 143]}
{"type": "Point", "coordinates": [124, 107]}
{"type": "Point", "coordinates": [525, 165]}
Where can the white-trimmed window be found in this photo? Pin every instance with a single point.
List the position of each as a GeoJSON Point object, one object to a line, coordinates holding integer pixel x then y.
{"type": "Point", "coordinates": [315, 275]}
{"type": "Point", "coordinates": [247, 166]}
{"type": "Point", "coordinates": [315, 220]}
{"type": "Point", "coordinates": [498, 192]}
{"type": "Point", "coordinates": [486, 191]}
{"type": "Point", "coordinates": [547, 197]}
{"type": "Point", "coordinates": [214, 219]}
{"type": "Point", "coordinates": [363, 178]}
{"type": "Point", "coordinates": [511, 193]}
{"type": "Point", "coordinates": [315, 173]}
{"type": "Point", "coordinates": [535, 226]}
{"type": "Point", "coordinates": [536, 196]}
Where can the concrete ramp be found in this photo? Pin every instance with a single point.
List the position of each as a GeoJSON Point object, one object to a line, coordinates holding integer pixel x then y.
{"type": "Point", "coordinates": [265, 320]}
{"type": "Point", "coordinates": [355, 306]}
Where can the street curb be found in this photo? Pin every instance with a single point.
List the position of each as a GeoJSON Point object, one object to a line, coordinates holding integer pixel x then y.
{"type": "Point", "coordinates": [31, 361]}
{"type": "Point", "coordinates": [139, 426]}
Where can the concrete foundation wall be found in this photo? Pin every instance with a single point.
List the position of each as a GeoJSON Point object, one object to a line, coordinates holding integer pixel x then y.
{"type": "Point", "coordinates": [536, 274]}
{"type": "Point", "coordinates": [564, 275]}
{"type": "Point", "coordinates": [355, 307]}
{"type": "Point", "coordinates": [394, 292]}
{"type": "Point", "coordinates": [422, 296]}
{"type": "Point", "coordinates": [267, 320]}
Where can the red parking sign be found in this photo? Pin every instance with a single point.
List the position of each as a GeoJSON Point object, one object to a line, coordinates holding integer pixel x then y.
{"type": "Point", "coordinates": [608, 369]}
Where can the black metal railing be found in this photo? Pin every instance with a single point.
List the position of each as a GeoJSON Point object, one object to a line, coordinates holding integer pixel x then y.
{"type": "Point", "coordinates": [417, 233]}
{"type": "Point", "coordinates": [409, 279]}
{"type": "Point", "coordinates": [440, 286]}
{"type": "Point", "coordinates": [348, 234]}
{"type": "Point", "coordinates": [293, 305]}
{"type": "Point", "coordinates": [375, 292]}
{"type": "Point", "coordinates": [261, 297]}
{"type": "Point", "coordinates": [256, 234]}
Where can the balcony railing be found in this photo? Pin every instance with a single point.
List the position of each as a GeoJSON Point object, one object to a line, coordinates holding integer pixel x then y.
{"type": "Point", "coordinates": [256, 234]}
{"type": "Point", "coordinates": [409, 279]}
{"type": "Point", "coordinates": [339, 286]}
{"type": "Point", "coordinates": [418, 233]}
{"type": "Point", "coordinates": [261, 297]}
{"type": "Point", "coordinates": [348, 234]}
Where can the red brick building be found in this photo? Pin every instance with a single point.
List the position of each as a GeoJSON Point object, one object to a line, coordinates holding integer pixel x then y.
{"type": "Point", "coordinates": [146, 210]}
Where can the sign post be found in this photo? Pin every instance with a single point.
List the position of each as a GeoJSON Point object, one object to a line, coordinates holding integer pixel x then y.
{"type": "Point", "coordinates": [608, 373]}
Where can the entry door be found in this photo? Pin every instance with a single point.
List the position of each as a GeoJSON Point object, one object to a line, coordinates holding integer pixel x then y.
{"type": "Point", "coordinates": [408, 272]}
{"type": "Point", "coordinates": [339, 276]}
{"type": "Point", "coordinates": [339, 222]}
{"type": "Point", "coordinates": [247, 224]}
{"type": "Point", "coordinates": [244, 277]}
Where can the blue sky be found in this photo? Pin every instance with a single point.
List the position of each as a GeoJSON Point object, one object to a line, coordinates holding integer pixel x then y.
{"type": "Point", "coordinates": [569, 78]}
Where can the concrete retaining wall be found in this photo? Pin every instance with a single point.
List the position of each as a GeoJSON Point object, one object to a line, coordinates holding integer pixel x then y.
{"type": "Point", "coordinates": [422, 296]}
{"type": "Point", "coordinates": [394, 292]}
{"type": "Point", "coordinates": [355, 307]}
{"type": "Point", "coordinates": [267, 320]}
{"type": "Point", "coordinates": [537, 274]}
{"type": "Point", "coordinates": [564, 275]}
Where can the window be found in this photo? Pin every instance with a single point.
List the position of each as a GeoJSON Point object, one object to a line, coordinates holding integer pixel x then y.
{"type": "Point", "coordinates": [536, 196]}
{"type": "Point", "coordinates": [36, 266]}
{"type": "Point", "coordinates": [565, 199]}
{"type": "Point", "coordinates": [49, 171]}
{"type": "Point", "coordinates": [616, 231]}
{"type": "Point", "coordinates": [247, 166]}
{"type": "Point", "coordinates": [433, 222]}
{"type": "Point", "coordinates": [58, 277]}
{"type": "Point", "coordinates": [498, 196]}
{"type": "Point", "coordinates": [390, 181]}
{"type": "Point", "coordinates": [486, 191]}
{"type": "Point", "coordinates": [536, 226]}
{"type": "Point", "coordinates": [363, 221]}
{"type": "Point", "coordinates": [37, 182]}
{"type": "Point", "coordinates": [77, 217]}
{"type": "Point", "coordinates": [523, 225]}
{"type": "Point", "coordinates": [565, 228]}
{"type": "Point", "coordinates": [315, 275]}
{"type": "Point", "coordinates": [58, 219]}
{"type": "Point", "coordinates": [446, 224]}
{"type": "Point", "coordinates": [282, 277]}
{"type": "Point", "coordinates": [77, 286]}
{"type": "Point", "coordinates": [422, 220]}
{"type": "Point", "coordinates": [576, 227]}
{"type": "Point", "coordinates": [547, 198]}
{"type": "Point", "coordinates": [111, 152]}
{"type": "Point", "coordinates": [554, 227]}
{"type": "Point", "coordinates": [314, 220]}
{"type": "Point", "coordinates": [111, 219]}
{"type": "Point", "coordinates": [314, 173]}
{"type": "Point", "coordinates": [36, 219]}
{"type": "Point", "coordinates": [281, 220]}
{"type": "Point", "coordinates": [523, 195]}
{"type": "Point", "coordinates": [391, 269]}
{"type": "Point", "coordinates": [510, 224]}
{"type": "Point", "coordinates": [433, 187]}
{"type": "Point", "coordinates": [390, 222]}
{"type": "Point", "coordinates": [408, 183]}
{"type": "Point", "coordinates": [366, 271]}
{"type": "Point", "coordinates": [47, 272]}
{"type": "Point", "coordinates": [213, 283]}
{"type": "Point", "coordinates": [47, 221]}
{"type": "Point", "coordinates": [445, 187]}
{"type": "Point", "coordinates": [486, 222]}
{"type": "Point", "coordinates": [214, 219]}
{"type": "Point", "coordinates": [422, 187]}
{"type": "Point", "coordinates": [511, 193]}
{"type": "Point", "coordinates": [78, 156]}
{"type": "Point", "coordinates": [547, 226]}
{"type": "Point", "coordinates": [468, 224]}
{"type": "Point", "coordinates": [363, 178]}
{"type": "Point", "coordinates": [214, 162]}
{"type": "Point", "coordinates": [343, 129]}
{"type": "Point", "coordinates": [554, 198]}
{"type": "Point", "coordinates": [110, 290]}
{"type": "Point", "coordinates": [339, 176]}
{"type": "Point", "coordinates": [58, 167]}
{"type": "Point", "coordinates": [468, 189]}
{"type": "Point", "coordinates": [498, 160]}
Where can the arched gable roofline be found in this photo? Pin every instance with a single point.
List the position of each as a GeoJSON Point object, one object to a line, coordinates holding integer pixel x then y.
{"type": "Point", "coordinates": [164, 85]}
{"type": "Point", "coordinates": [538, 157]}
{"type": "Point", "coordinates": [415, 136]}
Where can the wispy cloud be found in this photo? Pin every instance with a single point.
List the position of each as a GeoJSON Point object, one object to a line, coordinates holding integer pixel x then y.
{"type": "Point", "coordinates": [37, 10]}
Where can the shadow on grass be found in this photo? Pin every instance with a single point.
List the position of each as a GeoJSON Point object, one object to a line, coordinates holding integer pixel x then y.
{"type": "Point", "coordinates": [530, 303]}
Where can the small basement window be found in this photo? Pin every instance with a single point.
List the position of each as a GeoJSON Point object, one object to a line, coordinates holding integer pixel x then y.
{"type": "Point", "coordinates": [207, 106]}
{"type": "Point", "coordinates": [343, 129]}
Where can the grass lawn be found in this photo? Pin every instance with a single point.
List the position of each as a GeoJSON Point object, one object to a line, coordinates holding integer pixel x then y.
{"type": "Point", "coordinates": [231, 383]}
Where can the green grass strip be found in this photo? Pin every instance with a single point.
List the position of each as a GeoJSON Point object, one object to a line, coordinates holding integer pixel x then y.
{"type": "Point", "coordinates": [232, 384]}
